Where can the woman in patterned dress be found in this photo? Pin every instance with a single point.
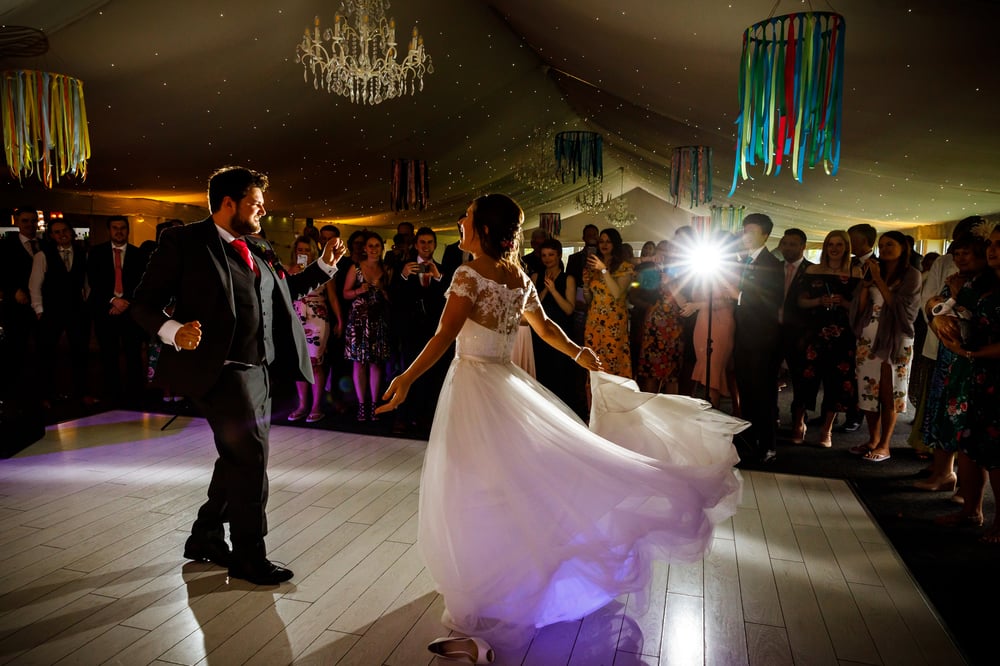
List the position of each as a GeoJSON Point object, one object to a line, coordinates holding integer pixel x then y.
{"type": "Point", "coordinates": [606, 279]}
{"type": "Point", "coordinates": [367, 339]}
{"type": "Point", "coordinates": [946, 409]}
{"type": "Point", "coordinates": [660, 346]}
{"type": "Point", "coordinates": [882, 314]}
{"type": "Point", "coordinates": [314, 312]}
{"type": "Point", "coordinates": [979, 454]}
{"type": "Point", "coordinates": [825, 292]}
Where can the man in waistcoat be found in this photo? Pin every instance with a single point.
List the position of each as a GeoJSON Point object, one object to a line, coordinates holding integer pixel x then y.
{"type": "Point", "coordinates": [232, 336]}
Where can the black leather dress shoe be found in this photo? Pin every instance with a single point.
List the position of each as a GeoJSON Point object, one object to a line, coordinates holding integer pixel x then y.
{"type": "Point", "coordinates": [262, 572]}
{"type": "Point", "coordinates": [208, 550]}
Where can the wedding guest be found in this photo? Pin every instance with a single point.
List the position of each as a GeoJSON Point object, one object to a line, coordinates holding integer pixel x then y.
{"type": "Point", "coordinates": [755, 355]}
{"type": "Point", "coordinates": [723, 323]}
{"type": "Point", "coordinates": [933, 281]}
{"type": "Point", "coordinates": [366, 341]}
{"type": "Point", "coordinates": [319, 313]}
{"type": "Point", "coordinates": [114, 270]}
{"type": "Point", "coordinates": [863, 238]}
{"type": "Point", "coordinates": [557, 292]}
{"type": "Point", "coordinates": [793, 323]}
{"type": "Point", "coordinates": [607, 278]}
{"type": "Point", "coordinates": [828, 357]}
{"type": "Point", "coordinates": [20, 325]}
{"type": "Point", "coordinates": [57, 282]}
{"type": "Point", "coordinates": [659, 341]}
{"type": "Point", "coordinates": [532, 262]}
{"type": "Point", "coordinates": [642, 295]}
{"type": "Point", "coordinates": [681, 247]}
{"type": "Point", "coordinates": [979, 455]}
{"type": "Point", "coordinates": [417, 293]}
{"type": "Point", "coordinates": [882, 316]}
{"type": "Point", "coordinates": [946, 410]}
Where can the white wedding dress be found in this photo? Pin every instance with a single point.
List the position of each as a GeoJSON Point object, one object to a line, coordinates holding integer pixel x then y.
{"type": "Point", "coordinates": [527, 516]}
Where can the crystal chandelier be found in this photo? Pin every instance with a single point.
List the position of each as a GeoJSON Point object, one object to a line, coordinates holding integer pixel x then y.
{"type": "Point", "coordinates": [357, 58]}
{"type": "Point", "coordinates": [537, 171]}
{"type": "Point", "coordinates": [618, 214]}
{"type": "Point", "coordinates": [592, 200]}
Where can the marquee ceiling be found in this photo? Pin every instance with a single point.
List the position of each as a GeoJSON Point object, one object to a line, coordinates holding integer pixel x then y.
{"type": "Point", "coordinates": [176, 89]}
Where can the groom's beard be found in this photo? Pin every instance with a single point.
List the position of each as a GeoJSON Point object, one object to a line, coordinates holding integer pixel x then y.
{"type": "Point", "coordinates": [245, 225]}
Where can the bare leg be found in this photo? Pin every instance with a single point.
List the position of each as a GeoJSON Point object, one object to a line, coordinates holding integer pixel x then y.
{"type": "Point", "coordinates": [887, 411]}
{"type": "Point", "coordinates": [874, 428]}
{"type": "Point", "coordinates": [993, 533]}
{"type": "Point", "coordinates": [971, 486]}
{"type": "Point", "coordinates": [942, 472]}
{"type": "Point", "coordinates": [826, 435]}
{"type": "Point", "coordinates": [798, 425]}
{"type": "Point", "coordinates": [318, 388]}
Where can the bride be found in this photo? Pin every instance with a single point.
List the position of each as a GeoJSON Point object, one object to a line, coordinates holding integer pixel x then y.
{"type": "Point", "coordinates": [527, 516]}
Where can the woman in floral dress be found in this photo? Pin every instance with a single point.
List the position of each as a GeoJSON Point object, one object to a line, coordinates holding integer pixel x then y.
{"type": "Point", "coordinates": [825, 292]}
{"type": "Point", "coordinates": [946, 410]}
{"type": "Point", "coordinates": [979, 454]}
{"type": "Point", "coordinates": [314, 311]}
{"type": "Point", "coordinates": [367, 339]}
{"type": "Point", "coordinates": [882, 314]}
{"type": "Point", "coordinates": [606, 279]}
{"type": "Point", "coordinates": [660, 349]}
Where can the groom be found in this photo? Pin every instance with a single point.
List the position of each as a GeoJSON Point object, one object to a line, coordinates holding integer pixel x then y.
{"type": "Point", "coordinates": [232, 334]}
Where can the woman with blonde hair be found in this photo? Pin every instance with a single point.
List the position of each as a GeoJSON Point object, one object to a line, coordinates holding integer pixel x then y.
{"type": "Point", "coordinates": [825, 293]}
{"type": "Point", "coordinates": [314, 313]}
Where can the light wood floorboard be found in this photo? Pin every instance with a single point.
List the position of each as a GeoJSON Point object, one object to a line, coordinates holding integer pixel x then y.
{"type": "Point", "coordinates": [94, 516]}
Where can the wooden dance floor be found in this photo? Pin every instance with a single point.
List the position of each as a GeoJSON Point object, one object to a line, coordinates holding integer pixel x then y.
{"type": "Point", "coordinates": [93, 520]}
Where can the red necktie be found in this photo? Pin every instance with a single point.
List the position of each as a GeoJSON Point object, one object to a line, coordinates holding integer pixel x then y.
{"type": "Point", "coordinates": [118, 272]}
{"type": "Point", "coordinates": [241, 247]}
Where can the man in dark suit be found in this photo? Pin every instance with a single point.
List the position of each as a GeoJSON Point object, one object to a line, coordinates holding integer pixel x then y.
{"type": "Point", "coordinates": [20, 325]}
{"type": "Point", "coordinates": [57, 284]}
{"type": "Point", "coordinates": [233, 335]}
{"type": "Point", "coordinates": [114, 269]}
{"type": "Point", "coordinates": [793, 319]}
{"type": "Point", "coordinates": [418, 292]}
{"type": "Point", "coordinates": [755, 340]}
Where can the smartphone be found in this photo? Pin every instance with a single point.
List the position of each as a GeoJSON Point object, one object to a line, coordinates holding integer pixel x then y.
{"type": "Point", "coordinates": [302, 260]}
{"type": "Point", "coordinates": [590, 250]}
{"type": "Point", "coordinates": [424, 267]}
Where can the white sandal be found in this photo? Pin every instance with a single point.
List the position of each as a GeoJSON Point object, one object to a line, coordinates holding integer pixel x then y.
{"type": "Point", "coordinates": [469, 649]}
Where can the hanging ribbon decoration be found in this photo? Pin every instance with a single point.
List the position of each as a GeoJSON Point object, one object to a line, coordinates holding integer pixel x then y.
{"type": "Point", "coordinates": [728, 218]}
{"type": "Point", "coordinates": [44, 125]}
{"type": "Point", "coordinates": [701, 224]}
{"type": "Point", "coordinates": [579, 154]}
{"type": "Point", "coordinates": [410, 185]}
{"type": "Point", "coordinates": [551, 223]}
{"type": "Point", "coordinates": [691, 172]}
{"type": "Point", "coordinates": [791, 94]}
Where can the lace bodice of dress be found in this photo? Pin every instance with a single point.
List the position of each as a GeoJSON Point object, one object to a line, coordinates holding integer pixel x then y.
{"type": "Point", "coordinates": [490, 330]}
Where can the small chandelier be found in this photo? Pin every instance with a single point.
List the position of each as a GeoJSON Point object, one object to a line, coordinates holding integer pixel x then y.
{"type": "Point", "coordinates": [591, 199]}
{"type": "Point", "coordinates": [538, 169]}
{"type": "Point", "coordinates": [357, 58]}
{"type": "Point", "coordinates": [618, 214]}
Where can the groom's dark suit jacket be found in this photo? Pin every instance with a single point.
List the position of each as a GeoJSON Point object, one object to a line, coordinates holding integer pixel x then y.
{"type": "Point", "coordinates": [190, 270]}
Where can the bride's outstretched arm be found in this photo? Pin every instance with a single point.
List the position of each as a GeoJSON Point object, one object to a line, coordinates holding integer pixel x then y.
{"type": "Point", "coordinates": [556, 338]}
{"type": "Point", "coordinates": [456, 310]}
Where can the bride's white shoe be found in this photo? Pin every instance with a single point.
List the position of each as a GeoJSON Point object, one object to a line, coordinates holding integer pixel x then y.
{"type": "Point", "coordinates": [465, 648]}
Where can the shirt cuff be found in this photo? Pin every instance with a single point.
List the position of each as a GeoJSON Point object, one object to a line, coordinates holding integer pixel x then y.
{"type": "Point", "coordinates": [168, 332]}
{"type": "Point", "coordinates": [327, 268]}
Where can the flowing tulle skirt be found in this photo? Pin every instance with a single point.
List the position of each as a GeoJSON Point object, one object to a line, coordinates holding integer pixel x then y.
{"type": "Point", "coordinates": [528, 518]}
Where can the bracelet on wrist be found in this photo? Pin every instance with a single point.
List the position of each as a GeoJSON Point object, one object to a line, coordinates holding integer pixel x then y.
{"type": "Point", "coordinates": [577, 357]}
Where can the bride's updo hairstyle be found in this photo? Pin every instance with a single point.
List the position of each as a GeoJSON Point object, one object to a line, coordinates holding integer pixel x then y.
{"type": "Point", "coordinates": [497, 220]}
